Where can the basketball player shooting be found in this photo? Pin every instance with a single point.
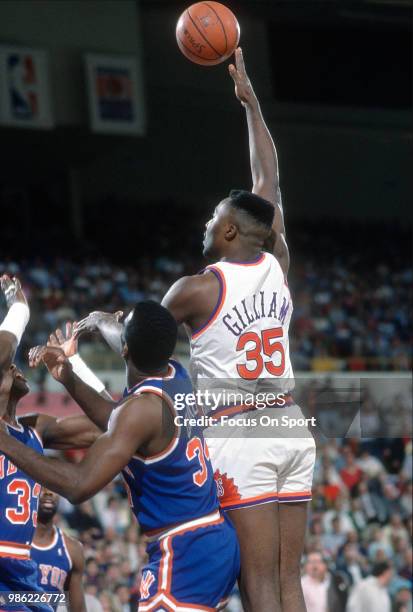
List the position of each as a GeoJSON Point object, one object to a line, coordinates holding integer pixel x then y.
{"type": "Point", "coordinates": [238, 313]}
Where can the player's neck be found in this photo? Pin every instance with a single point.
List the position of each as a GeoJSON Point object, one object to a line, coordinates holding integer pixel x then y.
{"type": "Point", "coordinates": [135, 376]}
{"type": "Point", "coordinates": [10, 414]}
{"type": "Point", "coordinates": [242, 254]}
{"type": "Point", "coordinates": [44, 533]}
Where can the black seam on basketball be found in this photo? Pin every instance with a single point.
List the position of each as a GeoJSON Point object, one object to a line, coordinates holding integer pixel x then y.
{"type": "Point", "coordinates": [205, 59]}
{"type": "Point", "coordinates": [222, 25]}
{"type": "Point", "coordinates": [204, 37]}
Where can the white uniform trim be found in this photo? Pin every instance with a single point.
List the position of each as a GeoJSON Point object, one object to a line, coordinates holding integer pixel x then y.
{"type": "Point", "coordinates": [49, 546]}
{"type": "Point", "coordinates": [69, 558]}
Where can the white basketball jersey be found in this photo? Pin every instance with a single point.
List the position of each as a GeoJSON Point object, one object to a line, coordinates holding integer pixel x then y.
{"type": "Point", "coordinates": [246, 335]}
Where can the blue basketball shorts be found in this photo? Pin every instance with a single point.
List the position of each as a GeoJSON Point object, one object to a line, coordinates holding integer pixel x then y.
{"type": "Point", "coordinates": [19, 575]}
{"type": "Point", "coordinates": [191, 567]}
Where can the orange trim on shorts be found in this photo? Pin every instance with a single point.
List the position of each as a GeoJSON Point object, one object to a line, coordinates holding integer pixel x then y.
{"type": "Point", "coordinates": [218, 306]}
{"type": "Point", "coordinates": [167, 549]}
{"type": "Point", "coordinates": [307, 494]}
{"type": "Point", "coordinates": [247, 500]}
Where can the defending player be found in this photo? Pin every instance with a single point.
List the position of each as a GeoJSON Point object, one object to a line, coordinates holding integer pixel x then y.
{"type": "Point", "coordinates": [59, 558]}
{"type": "Point", "coordinates": [18, 491]}
{"type": "Point", "coordinates": [193, 550]}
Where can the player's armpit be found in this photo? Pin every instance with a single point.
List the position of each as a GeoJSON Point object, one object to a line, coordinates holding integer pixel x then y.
{"type": "Point", "coordinates": [67, 433]}
{"type": "Point", "coordinates": [74, 582]}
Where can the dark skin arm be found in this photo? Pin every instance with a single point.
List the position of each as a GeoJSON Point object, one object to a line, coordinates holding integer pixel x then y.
{"type": "Point", "coordinates": [62, 434]}
{"type": "Point", "coordinates": [263, 158]}
{"type": "Point", "coordinates": [96, 407]}
{"type": "Point", "coordinates": [134, 424]}
{"type": "Point", "coordinates": [74, 582]}
{"type": "Point", "coordinates": [13, 294]}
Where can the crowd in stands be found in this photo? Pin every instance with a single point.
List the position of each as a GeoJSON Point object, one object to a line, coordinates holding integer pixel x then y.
{"type": "Point", "coordinates": [351, 299]}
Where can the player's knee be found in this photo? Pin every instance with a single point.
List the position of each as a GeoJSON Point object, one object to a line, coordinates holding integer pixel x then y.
{"type": "Point", "coordinates": [289, 574]}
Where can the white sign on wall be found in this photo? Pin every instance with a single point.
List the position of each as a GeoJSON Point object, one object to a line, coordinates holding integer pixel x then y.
{"type": "Point", "coordinates": [24, 88]}
{"type": "Point", "coordinates": [115, 97]}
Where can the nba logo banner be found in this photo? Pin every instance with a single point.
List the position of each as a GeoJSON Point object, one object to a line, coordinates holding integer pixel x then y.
{"type": "Point", "coordinates": [24, 88]}
{"type": "Point", "coordinates": [115, 99]}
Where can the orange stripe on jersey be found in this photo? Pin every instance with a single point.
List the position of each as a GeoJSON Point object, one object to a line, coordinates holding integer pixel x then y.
{"type": "Point", "coordinates": [219, 304]}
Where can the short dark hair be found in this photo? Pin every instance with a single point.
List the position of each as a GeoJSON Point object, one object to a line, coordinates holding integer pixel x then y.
{"type": "Point", "coordinates": [380, 568]}
{"type": "Point", "coordinates": [151, 335]}
{"type": "Point", "coordinates": [258, 208]}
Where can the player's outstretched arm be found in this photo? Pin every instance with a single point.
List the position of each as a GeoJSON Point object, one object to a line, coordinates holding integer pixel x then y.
{"type": "Point", "coordinates": [133, 424]}
{"type": "Point", "coordinates": [14, 324]}
{"type": "Point", "coordinates": [107, 324]}
{"type": "Point", "coordinates": [96, 407]}
{"type": "Point", "coordinates": [68, 342]}
{"type": "Point", "coordinates": [263, 156]}
{"type": "Point", "coordinates": [74, 582]}
{"type": "Point", "coordinates": [63, 434]}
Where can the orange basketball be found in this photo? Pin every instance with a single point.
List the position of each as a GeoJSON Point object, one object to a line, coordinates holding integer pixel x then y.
{"type": "Point", "coordinates": [207, 33]}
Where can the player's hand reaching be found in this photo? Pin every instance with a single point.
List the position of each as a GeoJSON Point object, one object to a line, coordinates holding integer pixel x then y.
{"type": "Point", "coordinates": [95, 319]}
{"type": "Point", "coordinates": [243, 87]}
{"type": "Point", "coordinates": [54, 359]}
{"type": "Point", "coordinates": [67, 342]}
{"type": "Point", "coordinates": [12, 290]}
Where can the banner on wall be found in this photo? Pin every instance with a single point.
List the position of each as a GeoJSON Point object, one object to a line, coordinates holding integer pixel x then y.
{"type": "Point", "coordinates": [24, 88]}
{"type": "Point", "coordinates": [115, 98]}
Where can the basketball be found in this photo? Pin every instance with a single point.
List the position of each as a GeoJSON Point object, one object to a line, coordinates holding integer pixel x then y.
{"type": "Point", "coordinates": [207, 33]}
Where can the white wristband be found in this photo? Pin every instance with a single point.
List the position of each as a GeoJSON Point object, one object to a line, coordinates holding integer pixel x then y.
{"type": "Point", "coordinates": [85, 373]}
{"type": "Point", "coordinates": [16, 320]}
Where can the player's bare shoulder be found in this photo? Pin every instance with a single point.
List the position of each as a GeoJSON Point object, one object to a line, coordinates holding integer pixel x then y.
{"type": "Point", "coordinates": [192, 298]}
{"type": "Point", "coordinates": [75, 550]}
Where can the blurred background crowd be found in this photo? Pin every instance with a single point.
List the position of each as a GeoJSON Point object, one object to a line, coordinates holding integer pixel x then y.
{"type": "Point", "coordinates": [352, 296]}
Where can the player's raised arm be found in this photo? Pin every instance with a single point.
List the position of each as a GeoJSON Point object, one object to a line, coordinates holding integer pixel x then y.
{"type": "Point", "coordinates": [107, 324]}
{"type": "Point", "coordinates": [263, 156]}
{"type": "Point", "coordinates": [133, 424]}
{"type": "Point", "coordinates": [14, 324]}
{"type": "Point", "coordinates": [96, 407]}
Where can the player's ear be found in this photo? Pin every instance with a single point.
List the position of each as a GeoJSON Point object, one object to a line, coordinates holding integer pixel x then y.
{"type": "Point", "coordinates": [231, 232]}
{"type": "Point", "coordinates": [125, 351]}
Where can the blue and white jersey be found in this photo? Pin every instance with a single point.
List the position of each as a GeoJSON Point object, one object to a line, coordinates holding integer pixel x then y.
{"type": "Point", "coordinates": [176, 485]}
{"type": "Point", "coordinates": [54, 563]}
{"type": "Point", "coordinates": [19, 495]}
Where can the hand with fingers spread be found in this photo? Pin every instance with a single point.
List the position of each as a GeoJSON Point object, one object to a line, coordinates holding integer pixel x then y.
{"type": "Point", "coordinates": [243, 88]}
{"type": "Point", "coordinates": [54, 359]}
{"type": "Point", "coordinates": [68, 341]}
{"type": "Point", "coordinates": [12, 290]}
{"type": "Point", "coordinates": [94, 320]}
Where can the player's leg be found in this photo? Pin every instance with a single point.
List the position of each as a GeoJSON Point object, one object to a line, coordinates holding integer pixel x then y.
{"type": "Point", "coordinates": [258, 535]}
{"type": "Point", "coordinates": [292, 525]}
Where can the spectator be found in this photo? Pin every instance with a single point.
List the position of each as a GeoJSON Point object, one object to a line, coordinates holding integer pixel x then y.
{"type": "Point", "coordinates": [371, 595]}
{"type": "Point", "coordinates": [315, 583]}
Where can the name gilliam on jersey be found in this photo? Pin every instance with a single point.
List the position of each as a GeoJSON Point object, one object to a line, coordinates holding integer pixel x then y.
{"type": "Point", "coordinates": [259, 306]}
